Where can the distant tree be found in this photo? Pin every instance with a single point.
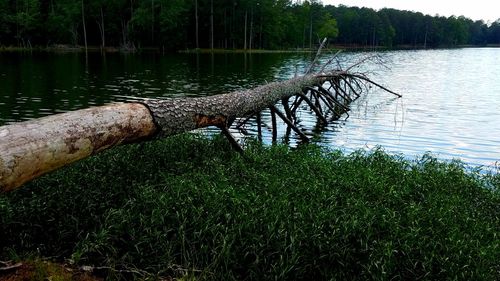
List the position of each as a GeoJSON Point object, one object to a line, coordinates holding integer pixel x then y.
{"type": "Point", "coordinates": [27, 19]}
{"type": "Point", "coordinates": [173, 17]}
{"type": "Point", "coordinates": [348, 23]}
{"type": "Point", "coordinates": [456, 30]}
{"type": "Point", "coordinates": [5, 22]}
{"type": "Point", "coordinates": [63, 22]}
{"type": "Point", "coordinates": [478, 32]}
{"type": "Point", "coordinates": [494, 32]}
{"type": "Point", "coordinates": [328, 28]}
{"type": "Point", "coordinates": [141, 21]}
{"type": "Point", "coordinates": [99, 6]}
{"type": "Point", "coordinates": [228, 23]}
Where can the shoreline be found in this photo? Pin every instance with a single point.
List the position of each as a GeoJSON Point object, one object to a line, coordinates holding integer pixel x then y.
{"type": "Point", "coordinates": [113, 49]}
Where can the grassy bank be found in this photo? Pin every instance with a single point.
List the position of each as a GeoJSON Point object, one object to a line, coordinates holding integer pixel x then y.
{"type": "Point", "coordinates": [191, 206]}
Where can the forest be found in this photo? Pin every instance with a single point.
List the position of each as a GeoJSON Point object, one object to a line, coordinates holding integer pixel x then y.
{"type": "Point", "coordinates": [228, 24]}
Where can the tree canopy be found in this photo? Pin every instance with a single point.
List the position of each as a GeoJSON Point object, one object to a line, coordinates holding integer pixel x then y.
{"type": "Point", "coordinates": [256, 24]}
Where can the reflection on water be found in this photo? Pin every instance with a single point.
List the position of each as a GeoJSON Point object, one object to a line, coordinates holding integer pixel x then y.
{"type": "Point", "coordinates": [450, 107]}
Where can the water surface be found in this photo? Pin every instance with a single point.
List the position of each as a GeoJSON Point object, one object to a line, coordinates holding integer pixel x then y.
{"type": "Point", "coordinates": [450, 104]}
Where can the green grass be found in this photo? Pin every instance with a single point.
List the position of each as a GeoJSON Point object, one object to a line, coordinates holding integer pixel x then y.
{"type": "Point", "coordinates": [188, 206]}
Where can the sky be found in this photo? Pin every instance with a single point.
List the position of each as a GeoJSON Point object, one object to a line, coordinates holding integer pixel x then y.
{"type": "Point", "coordinates": [487, 10]}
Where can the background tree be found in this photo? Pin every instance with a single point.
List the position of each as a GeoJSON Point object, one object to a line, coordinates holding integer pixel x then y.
{"type": "Point", "coordinates": [5, 22]}
{"type": "Point", "coordinates": [173, 17]}
{"type": "Point", "coordinates": [27, 19]}
{"type": "Point", "coordinates": [272, 24]}
{"type": "Point", "coordinates": [63, 22]}
{"type": "Point", "coordinates": [494, 33]}
{"type": "Point", "coordinates": [328, 28]}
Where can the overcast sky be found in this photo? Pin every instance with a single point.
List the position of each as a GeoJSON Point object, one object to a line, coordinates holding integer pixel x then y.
{"type": "Point", "coordinates": [487, 10]}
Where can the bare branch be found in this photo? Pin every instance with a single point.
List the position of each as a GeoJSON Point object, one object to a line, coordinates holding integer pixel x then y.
{"type": "Point", "coordinates": [330, 61]}
{"type": "Point", "coordinates": [290, 124]}
{"type": "Point", "coordinates": [318, 53]}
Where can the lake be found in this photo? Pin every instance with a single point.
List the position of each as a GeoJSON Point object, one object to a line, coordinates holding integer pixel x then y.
{"type": "Point", "coordinates": [450, 105]}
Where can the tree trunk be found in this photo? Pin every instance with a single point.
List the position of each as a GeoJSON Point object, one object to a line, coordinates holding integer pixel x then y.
{"type": "Point", "coordinates": [251, 30]}
{"type": "Point", "coordinates": [103, 36]}
{"type": "Point", "coordinates": [124, 33]}
{"type": "Point", "coordinates": [196, 23]}
{"type": "Point", "coordinates": [84, 27]}
{"type": "Point", "coordinates": [260, 32]}
{"type": "Point", "coordinates": [32, 148]}
{"type": "Point", "coordinates": [245, 33]}
{"type": "Point", "coordinates": [212, 24]}
{"type": "Point", "coordinates": [152, 22]}
{"type": "Point", "coordinates": [310, 31]}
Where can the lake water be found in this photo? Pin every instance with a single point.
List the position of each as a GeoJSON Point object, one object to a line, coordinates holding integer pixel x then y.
{"type": "Point", "coordinates": [450, 104]}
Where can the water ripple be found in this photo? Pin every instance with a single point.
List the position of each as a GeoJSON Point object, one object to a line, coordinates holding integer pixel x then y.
{"type": "Point", "coordinates": [450, 104]}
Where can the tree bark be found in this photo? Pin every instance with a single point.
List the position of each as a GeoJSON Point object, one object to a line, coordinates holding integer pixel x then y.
{"type": "Point", "coordinates": [180, 115]}
{"type": "Point", "coordinates": [32, 148]}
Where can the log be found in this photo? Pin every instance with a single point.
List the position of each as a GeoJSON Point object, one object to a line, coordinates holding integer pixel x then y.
{"type": "Point", "coordinates": [32, 148]}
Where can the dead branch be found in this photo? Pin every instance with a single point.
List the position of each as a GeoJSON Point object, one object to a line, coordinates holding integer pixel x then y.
{"type": "Point", "coordinates": [8, 266]}
{"type": "Point", "coordinates": [314, 108]}
{"type": "Point", "coordinates": [316, 58]}
{"type": "Point", "coordinates": [362, 77]}
{"type": "Point", "coordinates": [290, 124]}
{"type": "Point", "coordinates": [329, 61]}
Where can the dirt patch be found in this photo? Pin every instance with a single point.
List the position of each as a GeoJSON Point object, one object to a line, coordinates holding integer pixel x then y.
{"type": "Point", "coordinates": [43, 270]}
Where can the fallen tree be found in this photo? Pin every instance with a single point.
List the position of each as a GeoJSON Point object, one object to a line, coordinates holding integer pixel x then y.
{"type": "Point", "coordinates": [32, 148]}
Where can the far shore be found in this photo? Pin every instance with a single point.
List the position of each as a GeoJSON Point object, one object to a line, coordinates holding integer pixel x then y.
{"type": "Point", "coordinates": [114, 49]}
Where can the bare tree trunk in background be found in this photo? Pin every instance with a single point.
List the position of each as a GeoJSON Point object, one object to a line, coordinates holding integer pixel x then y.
{"type": "Point", "coordinates": [17, 24]}
{"type": "Point", "coordinates": [260, 32]}
{"type": "Point", "coordinates": [101, 29]}
{"type": "Point", "coordinates": [212, 24]}
{"type": "Point", "coordinates": [310, 31]}
{"type": "Point", "coordinates": [245, 41]}
{"type": "Point", "coordinates": [225, 29]}
{"type": "Point", "coordinates": [124, 32]}
{"type": "Point", "coordinates": [152, 22]}
{"type": "Point", "coordinates": [196, 23]}
{"type": "Point", "coordinates": [233, 16]}
{"type": "Point", "coordinates": [251, 29]}
{"type": "Point", "coordinates": [425, 38]}
{"type": "Point", "coordinates": [74, 34]}
{"type": "Point", "coordinates": [304, 37]}
{"type": "Point", "coordinates": [84, 27]}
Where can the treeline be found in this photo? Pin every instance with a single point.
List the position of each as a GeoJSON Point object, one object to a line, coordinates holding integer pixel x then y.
{"type": "Point", "coordinates": [241, 24]}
